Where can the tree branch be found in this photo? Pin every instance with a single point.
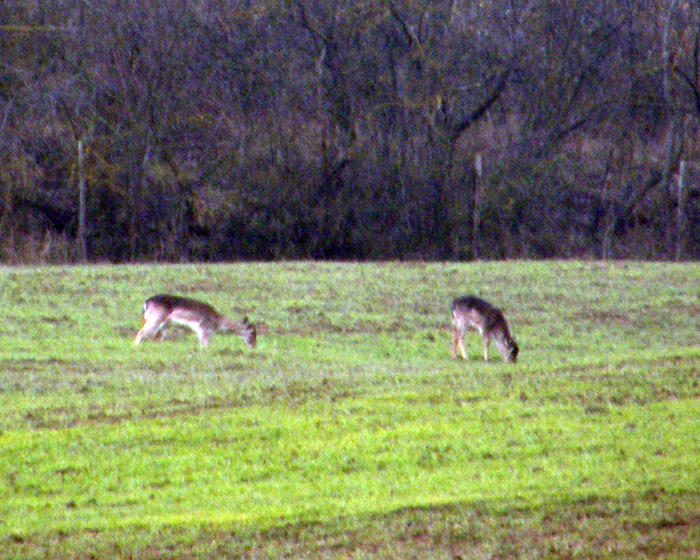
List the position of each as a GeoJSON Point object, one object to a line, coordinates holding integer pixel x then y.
{"type": "Point", "coordinates": [479, 112]}
{"type": "Point", "coordinates": [692, 85]}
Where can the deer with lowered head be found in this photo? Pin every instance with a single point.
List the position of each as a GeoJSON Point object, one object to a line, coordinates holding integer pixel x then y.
{"type": "Point", "coordinates": [471, 312]}
{"type": "Point", "coordinates": [161, 310]}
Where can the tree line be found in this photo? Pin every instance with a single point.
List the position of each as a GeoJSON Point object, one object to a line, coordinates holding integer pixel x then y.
{"type": "Point", "coordinates": [206, 130]}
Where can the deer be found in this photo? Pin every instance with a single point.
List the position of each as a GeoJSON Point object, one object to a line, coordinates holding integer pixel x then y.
{"type": "Point", "coordinates": [161, 310]}
{"type": "Point", "coordinates": [471, 312]}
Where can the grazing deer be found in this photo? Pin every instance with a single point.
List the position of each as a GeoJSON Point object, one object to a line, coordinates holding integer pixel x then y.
{"type": "Point", "coordinates": [473, 312]}
{"type": "Point", "coordinates": [203, 319]}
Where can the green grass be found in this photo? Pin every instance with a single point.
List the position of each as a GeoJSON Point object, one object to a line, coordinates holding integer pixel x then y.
{"type": "Point", "coordinates": [350, 432]}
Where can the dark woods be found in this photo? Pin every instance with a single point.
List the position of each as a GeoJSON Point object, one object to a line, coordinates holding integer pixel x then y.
{"type": "Point", "coordinates": [180, 130]}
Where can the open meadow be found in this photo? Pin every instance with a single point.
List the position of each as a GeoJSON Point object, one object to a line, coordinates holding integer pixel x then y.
{"type": "Point", "coordinates": [350, 432]}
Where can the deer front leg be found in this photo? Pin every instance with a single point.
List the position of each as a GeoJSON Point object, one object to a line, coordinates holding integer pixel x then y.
{"type": "Point", "coordinates": [204, 335]}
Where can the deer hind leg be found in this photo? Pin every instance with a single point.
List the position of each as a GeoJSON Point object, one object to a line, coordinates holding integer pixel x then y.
{"type": "Point", "coordinates": [160, 333]}
{"type": "Point", "coordinates": [151, 328]}
{"type": "Point", "coordinates": [458, 343]}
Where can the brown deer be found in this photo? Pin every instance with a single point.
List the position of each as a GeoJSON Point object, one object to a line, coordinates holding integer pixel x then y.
{"type": "Point", "coordinates": [478, 314]}
{"type": "Point", "coordinates": [203, 319]}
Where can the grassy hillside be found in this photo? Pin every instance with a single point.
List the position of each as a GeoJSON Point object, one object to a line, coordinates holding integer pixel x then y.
{"type": "Point", "coordinates": [350, 432]}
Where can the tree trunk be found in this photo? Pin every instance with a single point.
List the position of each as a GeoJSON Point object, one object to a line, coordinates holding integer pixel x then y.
{"type": "Point", "coordinates": [82, 213]}
{"type": "Point", "coordinates": [681, 216]}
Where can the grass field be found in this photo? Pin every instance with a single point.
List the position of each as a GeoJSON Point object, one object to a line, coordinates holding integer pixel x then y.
{"type": "Point", "coordinates": [350, 432]}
